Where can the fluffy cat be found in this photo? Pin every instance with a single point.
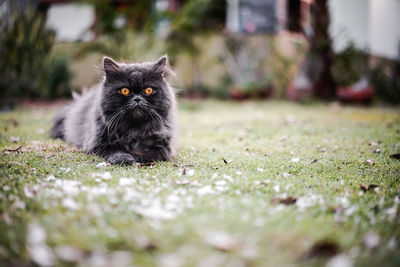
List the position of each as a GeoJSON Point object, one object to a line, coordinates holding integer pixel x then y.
{"type": "Point", "coordinates": [129, 117]}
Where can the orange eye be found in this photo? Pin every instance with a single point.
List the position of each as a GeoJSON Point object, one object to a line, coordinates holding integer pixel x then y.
{"type": "Point", "coordinates": [125, 91]}
{"type": "Point", "coordinates": [148, 90]}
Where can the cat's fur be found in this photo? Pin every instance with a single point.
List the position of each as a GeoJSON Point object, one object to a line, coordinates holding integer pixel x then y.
{"type": "Point", "coordinates": [123, 129]}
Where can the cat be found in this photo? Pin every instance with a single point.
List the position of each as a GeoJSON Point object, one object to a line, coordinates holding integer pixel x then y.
{"type": "Point", "coordinates": [130, 117]}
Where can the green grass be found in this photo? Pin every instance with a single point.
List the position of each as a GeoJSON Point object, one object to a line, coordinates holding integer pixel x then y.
{"type": "Point", "coordinates": [216, 203]}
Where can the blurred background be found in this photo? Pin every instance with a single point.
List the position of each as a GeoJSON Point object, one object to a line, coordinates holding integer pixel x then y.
{"type": "Point", "coordinates": [346, 50]}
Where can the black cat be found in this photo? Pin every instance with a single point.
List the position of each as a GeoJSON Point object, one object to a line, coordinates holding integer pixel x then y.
{"type": "Point", "coordinates": [129, 117]}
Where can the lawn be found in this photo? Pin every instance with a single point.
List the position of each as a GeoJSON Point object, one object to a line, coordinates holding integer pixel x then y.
{"type": "Point", "coordinates": [254, 184]}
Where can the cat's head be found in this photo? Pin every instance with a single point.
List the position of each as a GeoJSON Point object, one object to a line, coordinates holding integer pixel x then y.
{"type": "Point", "coordinates": [138, 92]}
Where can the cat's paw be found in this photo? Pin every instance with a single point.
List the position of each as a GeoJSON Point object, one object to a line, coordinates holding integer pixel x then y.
{"type": "Point", "coordinates": [121, 158]}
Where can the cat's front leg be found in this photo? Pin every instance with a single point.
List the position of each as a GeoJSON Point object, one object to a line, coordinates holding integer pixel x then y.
{"type": "Point", "coordinates": [114, 154]}
{"type": "Point", "coordinates": [121, 158]}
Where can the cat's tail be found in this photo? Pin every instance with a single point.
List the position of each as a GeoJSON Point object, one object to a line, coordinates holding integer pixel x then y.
{"type": "Point", "coordinates": [57, 130]}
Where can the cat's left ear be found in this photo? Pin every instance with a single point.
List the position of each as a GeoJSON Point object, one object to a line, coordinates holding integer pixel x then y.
{"type": "Point", "coordinates": [162, 66]}
{"type": "Point", "coordinates": [110, 66]}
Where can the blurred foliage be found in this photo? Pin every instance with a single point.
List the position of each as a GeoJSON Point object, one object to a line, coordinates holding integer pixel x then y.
{"type": "Point", "coordinates": [196, 16]}
{"type": "Point", "coordinates": [282, 72]}
{"type": "Point", "coordinates": [118, 26]}
{"type": "Point", "coordinates": [256, 66]}
{"type": "Point", "coordinates": [111, 18]}
{"type": "Point", "coordinates": [349, 66]}
{"type": "Point", "coordinates": [25, 46]}
{"type": "Point", "coordinates": [134, 46]}
{"type": "Point", "coordinates": [55, 79]}
{"type": "Point", "coordinates": [385, 79]}
{"type": "Point", "coordinates": [153, 32]}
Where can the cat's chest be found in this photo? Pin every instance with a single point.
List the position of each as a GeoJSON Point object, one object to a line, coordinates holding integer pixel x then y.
{"type": "Point", "coordinates": [134, 141]}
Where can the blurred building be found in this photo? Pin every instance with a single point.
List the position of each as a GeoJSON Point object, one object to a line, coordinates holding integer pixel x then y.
{"type": "Point", "coordinates": [70, 20]}
{"type": "Point", "coordinates": [370, 25]}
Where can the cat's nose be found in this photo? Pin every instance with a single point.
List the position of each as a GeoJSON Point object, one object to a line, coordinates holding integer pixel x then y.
{"type": "Point", "coordinates": [137, 99]}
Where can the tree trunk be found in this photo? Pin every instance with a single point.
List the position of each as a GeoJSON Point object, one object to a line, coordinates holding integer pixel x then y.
{"type": "Point", "coordinates": [321, 47]}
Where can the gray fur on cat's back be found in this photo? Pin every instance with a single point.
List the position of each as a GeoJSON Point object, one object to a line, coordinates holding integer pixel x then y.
{"type": "Point", "coordinates": [106, 123]}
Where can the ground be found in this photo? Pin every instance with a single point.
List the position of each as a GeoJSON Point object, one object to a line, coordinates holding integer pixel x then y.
{"type": "Point", "coordinates": [254, 184]}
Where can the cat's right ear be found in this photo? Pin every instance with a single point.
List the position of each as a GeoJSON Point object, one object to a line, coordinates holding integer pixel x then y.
{"type": "Point", "coordinates": [110, 66]}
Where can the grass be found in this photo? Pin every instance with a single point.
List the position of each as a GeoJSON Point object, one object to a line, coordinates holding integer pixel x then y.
{"type": "Point", "coordinates": [218, 202]}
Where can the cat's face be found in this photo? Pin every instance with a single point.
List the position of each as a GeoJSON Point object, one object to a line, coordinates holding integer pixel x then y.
{"type": "Point", "coordinates": [135, 93]}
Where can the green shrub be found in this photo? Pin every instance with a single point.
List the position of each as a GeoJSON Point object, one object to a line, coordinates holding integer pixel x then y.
{"type": "Point", "coordinates": [55, 79]}
{"type": "Point", "coordinates": [25, 46]}
{"type": "Point", "coordinates": [349, 66]}
{"type": "Point", "coordinates": [385, 80]}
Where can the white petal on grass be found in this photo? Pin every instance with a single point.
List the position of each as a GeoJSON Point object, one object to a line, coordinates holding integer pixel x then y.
{"type": "Point", "coordinates": [41, 255]}
{"type": "Point", "coordinates": [295, 160]}
{"type": "Point", "coordinates": [391, 213]}
{"type": "Point", "coordinates": [221, 188]}
{"type": "Point", "coordinates": [189, 172]}
{"type": "Point", "coordinates": [66, 170]}
{"type": "Point", "coordinates": [98, 258]}
{"type": "Point", "coordinates": [349, 211]}
{"type": "Point", "coordinates": [344, 201]}
{"type": "Point", "coordinates": [392, 244]}
{"type": "Point", "coordinates": [205, 190]}
{"type": "Point", "coordinates": [371, 240]}
{"type": "Point", "coordinates": [39, 252]}
{"type": "Point", "coordinates": [341, 260]}
{"type": "Point", "coordinates": [182, 182]}
{"type": "Point", "coordinates": [19, 204]}
{"type": "Point", "coordinates": [127, 181]}
{"type": "Point", "coordinates": [196, 184]}
{"type": "Point", "coordinates": [103, 165]}
{"type": "Point", "coordinates": [68, 253]}
{"type": "Point", "coordinates": [289, 119]}
{"type": "Point", "coordinates": [36, 234]}
{"type": "Point", "coordinates": [310, 200]}
{"type": "Point", "coordinates": [221, 240]}
{"type": "Point", "coordinates": [6, 188]}
{"type": "Point", "coordinates": [69, 187]}
{"type": "Point", "coordinates": [103, 175]}
{"type": "Point", "coordinates": [227, 177]}
{"type": "Point", "coordinates": [131, 194]}
{"type": "Point", "coordinates": [156, 211]}
{"type": "Point", "coordinates": [70, 204]}
{"type": "Point", "coordinates": [28, 192]}
{"type": "Point", "coordinates": [15, 139]}
{"type": "Point", "coordinates": [50, 178]}
{"type": "Point", "coordinates": [276, 188]}
{"type": "Point", "coordinates": [121, 258]}
{"type": "Point", "coordinates": [169, 260]}
{"type": "Point", "coordinates": [220, 182]}
{"type": "Point", "coordinates": [249, 250]}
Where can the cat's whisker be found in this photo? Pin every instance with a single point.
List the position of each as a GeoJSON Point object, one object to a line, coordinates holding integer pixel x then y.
{"type": "Point", "coordinates": [112, 122]}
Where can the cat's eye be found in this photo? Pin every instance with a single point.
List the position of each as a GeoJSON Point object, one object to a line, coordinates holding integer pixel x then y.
{"type": "Point", "coordinates": [124, 91]}
{"type": "Point", "coordinates": [148, 90]}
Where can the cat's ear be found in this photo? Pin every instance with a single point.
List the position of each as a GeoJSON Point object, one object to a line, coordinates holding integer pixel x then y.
{"type": "Point", "coordinates": [162, 66]}
{"type": "Point", "coordinates": [110, 66]}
